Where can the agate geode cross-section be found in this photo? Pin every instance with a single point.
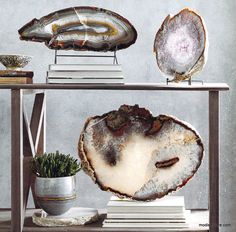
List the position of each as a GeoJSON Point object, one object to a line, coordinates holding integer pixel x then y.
{"type": "Point", "coordinates": [134, 154]}
{"type": "Point", "coordinates": [81, 28]}
{"type": "Point", "coordinates": [181, 45]}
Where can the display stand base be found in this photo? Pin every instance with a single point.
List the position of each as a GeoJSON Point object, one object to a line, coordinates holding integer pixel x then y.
{"type": "Point", "coordinates": [189, 81]}
{"type": "Point", "coordinates": [75, 216]}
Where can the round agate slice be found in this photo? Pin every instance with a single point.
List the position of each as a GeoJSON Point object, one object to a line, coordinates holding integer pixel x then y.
{"type": "Point", "coordinates": [181, 45]}
{"type": "Point", "coordinates": [134, 154]}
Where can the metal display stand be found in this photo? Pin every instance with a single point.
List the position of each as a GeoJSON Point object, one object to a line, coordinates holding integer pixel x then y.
{"type": "Point", "coordinates": [28, 138]}
{"type": "Point", "coordinates": [189, 81]}
{"type": "Point", "coordinates": [114, 57]}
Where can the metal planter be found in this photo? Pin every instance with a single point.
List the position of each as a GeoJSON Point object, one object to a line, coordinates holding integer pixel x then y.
{"type": "Point", "coordinates": [55, 195]}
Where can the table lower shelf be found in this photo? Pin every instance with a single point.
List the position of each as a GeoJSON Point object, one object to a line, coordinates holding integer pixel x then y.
{"type": "Point", "coordinates": [198, 222]}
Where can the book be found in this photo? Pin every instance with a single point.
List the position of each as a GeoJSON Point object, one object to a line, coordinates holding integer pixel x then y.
{"type": "Point", "coordinates": [168, 212]}
{"type": "Point", "coordinates": [84, 80]}
{"type": "Point", "coordinates": [83, 74]}
{"type": "Point", "coordinates": [168, 204]}
{"type": "Point", "coordinates": [179, 216]}
{"type": "Point", "coordinates": [145, 210]}
{"type": "Point", "coordinates": [85, 67]}
{"type": "Point", "coordinates": [169, 201]}
{"type": "Point", "coordinates": [16, 80]}
{"type": "Point", "coordinates": [166, 220]}
{"type": "Point", "coordinates": [15, 73]}
{"type": "Point", "coordinates": [169, 225]}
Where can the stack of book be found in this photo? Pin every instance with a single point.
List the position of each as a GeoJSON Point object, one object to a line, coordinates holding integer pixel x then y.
{"type": "Point", "coordinates": [84, 73]}
{"type": "Point", "coordinates": [16, 77]}
{"type": "Point", "coordinates": [166, 213]}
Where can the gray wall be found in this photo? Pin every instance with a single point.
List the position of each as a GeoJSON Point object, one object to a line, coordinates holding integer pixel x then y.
{"type": "Point", "coordinates": [67, 110]}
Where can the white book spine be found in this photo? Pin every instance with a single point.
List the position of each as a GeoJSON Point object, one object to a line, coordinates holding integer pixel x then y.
{"type": "Point", "coordinates": [168, 201]}
{"type": "Point", "coordinates": [84, 81]}
{"type": "Point", "coordinates": [143, 210]}
{"type": "Point", "coordinates": [85, 67]}
{"type": "Point", "coordinates": [143, 216]}
{"type": "Point", "coordinates": [147, 225]}
{"type": "Point", "coordinates": [85, 74]}
{"type": "Point", "coordinates": [144, 220]}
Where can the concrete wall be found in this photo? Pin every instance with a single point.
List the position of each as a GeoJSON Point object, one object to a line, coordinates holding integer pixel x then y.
{"type": "Point", "coordinates": [67, 110]}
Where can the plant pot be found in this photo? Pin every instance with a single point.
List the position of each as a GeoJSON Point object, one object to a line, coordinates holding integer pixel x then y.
{"type": "Point", "coordinates": [55, 195]}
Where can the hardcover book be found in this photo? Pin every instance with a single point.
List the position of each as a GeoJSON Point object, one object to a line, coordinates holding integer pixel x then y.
{"type": "Point", "coordinates": [16, 80]}
{"type": "Point", "coordinates": [85, 67]}
{"type": "Point", "coordinates": [169, 204]}
{"type": "Point", "coordinates": [84, 80]}
{"type": "Point", "coordinates": [15, 73]}
{"type": "Point", "coordinates": [85, 74]}
{"type": "Point", "coordinates": [168, 212]}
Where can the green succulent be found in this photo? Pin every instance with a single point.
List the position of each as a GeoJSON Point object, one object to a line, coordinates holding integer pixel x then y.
{"type": "Point", "coordinates": [54, 165]}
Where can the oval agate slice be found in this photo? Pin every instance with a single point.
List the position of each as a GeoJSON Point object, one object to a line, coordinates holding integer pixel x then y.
{"type": "Point", "coordinates": [134, 154]}
{"type": "Point", "coordinates": [181, 45]}
{"type": "Point", "coordinates": [81, 28]}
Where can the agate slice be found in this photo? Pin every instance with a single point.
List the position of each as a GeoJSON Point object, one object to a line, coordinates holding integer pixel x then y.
{"type": "Point", "coordinates": [81, 28]}
{"type": "Point", "coordinates": [133, 154]}
{"type": "Point", "coordinates": [181, 45]}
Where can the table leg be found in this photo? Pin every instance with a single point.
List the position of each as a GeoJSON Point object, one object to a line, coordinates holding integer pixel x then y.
{"type": "Point", "coordinates": [38, 130]}
{"type": "Point", "coordinates": [17, 214]}
{"type": "Point", "coordinates": [214, 161]}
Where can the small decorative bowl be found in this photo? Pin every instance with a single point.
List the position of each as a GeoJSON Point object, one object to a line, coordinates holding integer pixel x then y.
{"type": "Point", "coordinates": [15, 62]}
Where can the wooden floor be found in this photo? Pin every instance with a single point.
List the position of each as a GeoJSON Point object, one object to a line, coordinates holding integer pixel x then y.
{"type": "Point", "coordinates": [197, 217]}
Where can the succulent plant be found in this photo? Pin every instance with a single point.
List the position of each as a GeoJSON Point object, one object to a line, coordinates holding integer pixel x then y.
{"type": "Point", "coordinates": [55, 165]}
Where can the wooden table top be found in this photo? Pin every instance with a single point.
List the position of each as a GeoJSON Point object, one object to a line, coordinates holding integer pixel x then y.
{"type": "Point", "coordinates": [126, 86]}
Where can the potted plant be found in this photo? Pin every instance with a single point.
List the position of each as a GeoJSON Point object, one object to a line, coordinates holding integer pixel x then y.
{"type": "Point", "coordinates": [55, 181]}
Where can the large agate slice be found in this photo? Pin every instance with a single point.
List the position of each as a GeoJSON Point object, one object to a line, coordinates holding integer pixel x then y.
{"type": "Point", "coordinates": [81, 28]}
{"type": "Point", "coordinates": [181, 45]}
{"type": "Point", "coordinates": [134, 154]}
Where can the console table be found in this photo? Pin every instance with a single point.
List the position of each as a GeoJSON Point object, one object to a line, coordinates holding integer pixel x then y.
{"type": "Point", "coordinates": [27, 139]}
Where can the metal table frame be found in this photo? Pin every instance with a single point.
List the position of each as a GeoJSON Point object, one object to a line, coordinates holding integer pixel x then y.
{"type": "Point", "coordinates": [28, 138]}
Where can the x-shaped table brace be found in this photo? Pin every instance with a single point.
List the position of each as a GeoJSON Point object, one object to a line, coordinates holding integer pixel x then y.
{"type": "Point", "coordinates": [28, 139]}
